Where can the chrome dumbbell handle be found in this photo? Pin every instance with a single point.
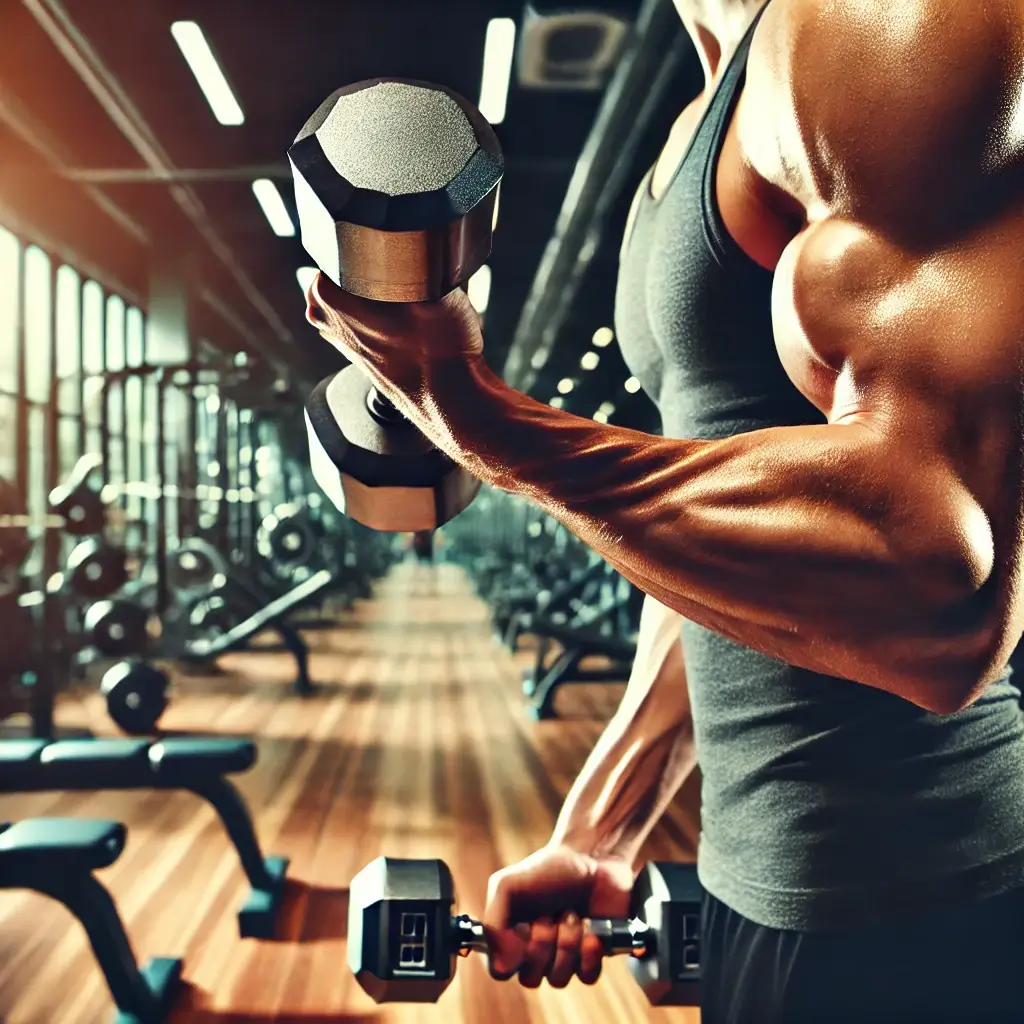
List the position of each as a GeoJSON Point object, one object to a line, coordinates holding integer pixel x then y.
{"type": "Point", "coordinates": [619, 937]}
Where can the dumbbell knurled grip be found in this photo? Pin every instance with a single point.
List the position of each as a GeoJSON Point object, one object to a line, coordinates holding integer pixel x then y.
{"type": "Point", "coordinates": [631, 937]}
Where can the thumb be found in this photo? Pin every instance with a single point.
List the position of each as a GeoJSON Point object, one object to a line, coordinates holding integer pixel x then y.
{"type": "Point", "coordinates": [507, 944]}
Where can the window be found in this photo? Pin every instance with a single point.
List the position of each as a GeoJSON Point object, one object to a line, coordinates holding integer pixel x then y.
{"type": "Point", "coordinates": [93, 358]}
{"type": "Point", "coordinates": [38, 325]}
{"type": "Point", "coordinates": [115, 334]}
{"type": "Point", "coordinates": [69, 340]}
{"type": "Point", "coordinates": [10, 284]}
{"type": "Point", "coordinates": [69, 369]}
{"type": "Point", "coordinates": [135, 337]}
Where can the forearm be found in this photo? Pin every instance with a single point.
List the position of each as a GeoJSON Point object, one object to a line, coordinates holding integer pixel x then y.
{"type": "Point", "coordinates": [820, 545]}
{"type": "Point", "coordinates": [644, 755]}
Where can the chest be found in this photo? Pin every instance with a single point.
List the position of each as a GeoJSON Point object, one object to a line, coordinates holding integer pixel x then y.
{"type": "Point", "coordinates": [759, 220]}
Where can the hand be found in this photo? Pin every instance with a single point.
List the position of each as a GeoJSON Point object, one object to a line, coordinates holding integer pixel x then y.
{"type": "Point", "coordinates": [396, 343]}
{"type": "Point", "coordinates": [535, 911]}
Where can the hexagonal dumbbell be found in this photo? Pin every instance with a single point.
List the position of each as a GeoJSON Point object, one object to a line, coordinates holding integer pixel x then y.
{"type": "Point", "coordinates": [395, 183]}
{"type": "Point", "coordinates": [403, 939]}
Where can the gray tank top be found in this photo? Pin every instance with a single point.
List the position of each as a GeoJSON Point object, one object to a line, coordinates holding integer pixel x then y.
{"type": "Point", "coordinates": [826, 805]}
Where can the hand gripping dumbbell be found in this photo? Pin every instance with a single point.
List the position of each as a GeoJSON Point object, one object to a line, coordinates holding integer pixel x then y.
{"type": "Point", "coordinates": [403, 939]}
{"type": "Point", "coordinates": [395, 184]}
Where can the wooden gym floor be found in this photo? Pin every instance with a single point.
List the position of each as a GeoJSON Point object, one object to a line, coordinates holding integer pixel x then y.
{"type": "Point", "coordinates": [415, 745]}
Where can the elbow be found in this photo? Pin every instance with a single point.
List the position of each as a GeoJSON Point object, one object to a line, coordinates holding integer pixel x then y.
{"type": "Point", "coordinates": [952, 563]}
{"type": "Point", "coordinates": [961, 665]}
{"type": "Point", "coordinates": [968, 637]}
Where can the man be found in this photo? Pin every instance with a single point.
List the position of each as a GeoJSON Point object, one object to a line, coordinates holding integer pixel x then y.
{"type": "Point", "coordinates": [819, 287]}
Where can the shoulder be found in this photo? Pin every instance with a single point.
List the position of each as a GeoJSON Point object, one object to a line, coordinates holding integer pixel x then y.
{"type": "Point", "coordinates": [889, 102]}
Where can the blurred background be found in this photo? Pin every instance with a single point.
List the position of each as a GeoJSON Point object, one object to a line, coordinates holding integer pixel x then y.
{"type": "Point", "coordinates": [170, 572]}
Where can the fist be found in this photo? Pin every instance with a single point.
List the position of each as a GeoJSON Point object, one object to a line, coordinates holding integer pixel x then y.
{"type": "Point", "coordinates": [536, 910]}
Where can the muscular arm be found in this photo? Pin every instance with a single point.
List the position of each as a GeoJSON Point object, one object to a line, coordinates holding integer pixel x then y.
{"type": "Point", "coordinates": [644, 755]}
{"type": "Point", "coordinates": [883, 546]}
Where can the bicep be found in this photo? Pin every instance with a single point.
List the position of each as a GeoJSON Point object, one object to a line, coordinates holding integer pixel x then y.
{"type": "Point", "coordinates": [922, 350]}
{"type": "Point", "coordinates": [903, 337]}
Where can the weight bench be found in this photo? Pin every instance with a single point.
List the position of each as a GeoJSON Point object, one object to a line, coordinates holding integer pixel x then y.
{"type": "Point", "coordinates": [565, 600]}
{"type": "Point", "coordinates": [198, 766]}
{"type": "Point", "coordinates": [258, 594]}
{"type": "Point", "coordinates": [270, 616]}
{"type": "Point", "coordinates": [57, 857]}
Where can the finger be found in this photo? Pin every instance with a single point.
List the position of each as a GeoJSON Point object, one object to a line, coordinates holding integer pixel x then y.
{"type": "Point", "coordinates": [567, 951]}
{"type": "Point", "coordinates": [335, 325]}
{"type": "Point", "coordinates": [506, 950]}
{"type": "Point", "coordinates": [591, 959]}
{"type": "Point", "coordinates": [539, 955]}
{"type": "Point", "coordinates": [315, 314]}
{"type": "Point", "coordinates": [505, 944]}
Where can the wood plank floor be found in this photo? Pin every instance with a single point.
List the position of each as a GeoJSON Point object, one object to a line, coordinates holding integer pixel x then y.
{"type": "Point", "coordinates": [415, 745]}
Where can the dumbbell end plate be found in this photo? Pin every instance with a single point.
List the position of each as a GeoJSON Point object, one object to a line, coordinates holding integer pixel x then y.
{"type": "Point", "coordinates": [389, 478]}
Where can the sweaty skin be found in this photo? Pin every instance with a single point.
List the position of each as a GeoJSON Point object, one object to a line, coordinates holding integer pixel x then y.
{"type": "Point", "coordinates": [889, 139]}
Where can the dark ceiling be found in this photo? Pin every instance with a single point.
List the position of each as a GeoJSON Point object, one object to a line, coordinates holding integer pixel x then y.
{"type": "Point", "coordinates": [89, 85]}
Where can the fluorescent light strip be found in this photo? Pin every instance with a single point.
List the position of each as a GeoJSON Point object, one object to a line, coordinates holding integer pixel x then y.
{"type": "Point", "coordinates": [499, 49]}
{"type": "Point", "coordinates": [305, 276]}
{"type": "Point", "coordinates": [199, 57]}
{"type": "Point", "coordinates": [274, 210]}
{"type": "Point", "coordinates": [479, 289]}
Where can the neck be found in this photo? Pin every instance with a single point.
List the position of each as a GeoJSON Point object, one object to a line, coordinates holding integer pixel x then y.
{"type": "Point", "coordinates": [717, 28]}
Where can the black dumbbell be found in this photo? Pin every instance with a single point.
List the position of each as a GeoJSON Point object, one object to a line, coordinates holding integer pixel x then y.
{"type": "Point", "coordinates": [117, 628]}
{"type": "Point", "coordinates": [136, 694]}
{"type": "Point", "coordinates": [403, 939]}
{"type": "Point", "coordinates": [395, 184]}
{"type": "Point", "coordinates": [78, 501]}
{"type": "Point", "coordinates": [95, 570]}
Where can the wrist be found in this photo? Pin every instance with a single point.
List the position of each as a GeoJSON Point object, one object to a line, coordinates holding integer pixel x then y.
{"type": "Point", "coordinates": [593, 842]}
{"type": "Point", "coordinates": [470, 407]}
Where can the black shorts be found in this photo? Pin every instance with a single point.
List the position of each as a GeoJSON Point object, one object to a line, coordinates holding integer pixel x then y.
{"type": "Point", "coordinates": [959, 965]}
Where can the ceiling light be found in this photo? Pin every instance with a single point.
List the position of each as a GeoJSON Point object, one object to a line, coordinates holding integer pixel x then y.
{"type": "Point", "coordinates": [607, 408]}
{"type": "Point", "coordinates": [590, 360]}
{"type": "Point", "coordinates": [601, 417]}
{"type": "Point", "coordinates": [540, 358]}
{"type": "Point", "coordinates": [305, 276]}
{"type": "Point", "coordinates": [479, 289]}
{"type": "Point", "coordinates": [557, 403]}
{"type": "Point", "coordinates": [603, 337]}
{"type": "Point", "coordinates": [565, 386]}
{"type": "Point", "coordinates": [632, 385]}
{"type": "Point", "coordinates": [499, 49]}
{"type": "Point", "coordinates": [273, 207]}
{"type": "Point", "coordinates": [200, 59]}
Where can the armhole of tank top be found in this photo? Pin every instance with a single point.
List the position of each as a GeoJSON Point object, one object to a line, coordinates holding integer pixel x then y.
{"type": "Point", "coordinates": [725, 249]}
{"type": "Point", "coordinates": [722, 245]}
